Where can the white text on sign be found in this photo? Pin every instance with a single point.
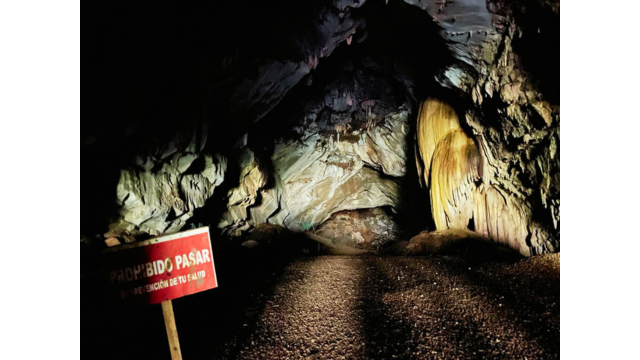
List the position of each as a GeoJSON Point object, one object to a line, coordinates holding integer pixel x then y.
{"type": "Point", "coordinates": [158, 267]}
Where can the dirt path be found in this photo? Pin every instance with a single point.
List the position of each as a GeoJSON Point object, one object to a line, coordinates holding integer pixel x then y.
{"type": "Point", "coordinates": [313, 312]}
{"type": "Point", "coordinates": [335, 307]}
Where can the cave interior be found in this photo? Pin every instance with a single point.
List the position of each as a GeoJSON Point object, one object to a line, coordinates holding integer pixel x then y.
{"type": "Point", "coordinates": [370, 130]}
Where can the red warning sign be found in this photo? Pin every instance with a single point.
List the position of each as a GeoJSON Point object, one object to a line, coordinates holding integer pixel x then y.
{"type": "Point", "coordinates": [162, 268]}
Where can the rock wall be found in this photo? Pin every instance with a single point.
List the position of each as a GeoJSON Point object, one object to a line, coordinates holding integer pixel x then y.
{"type": "Point", "coordinates": [512, 111]}
{"type": "Point", "coordinates": [321, 174]}
{"type": "Point", "coordinates": [338, 142]}
{"type": "Point", "coordinates": [517, 119]}
{"type": "Point", "coordinates": [465, 187]}
{"type": "Point", "coordinates": [160, 194]}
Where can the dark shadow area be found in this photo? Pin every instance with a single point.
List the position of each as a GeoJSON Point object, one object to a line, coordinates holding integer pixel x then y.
{"type": "Point", "coordinates": [539, 45]}
{"type": "Point", "coordinates": [407, 332]}
{"type": "Point", "coordinates": [531, 302]}
{"type": "Point", "coordinates": [385, 336]}
{"type": "Point", "coordinates": [213, 319]}
{"type": "Point", "coordinates": [415, 211]}
{"type": "Point", "coordinates": [219, 319]}
{"type": "Point", "coordinates": [97, 173]}
{"type": "Point", "coordinates": [439, 307]}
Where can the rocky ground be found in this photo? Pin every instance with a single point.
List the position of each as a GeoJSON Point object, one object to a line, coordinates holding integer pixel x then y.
{"type": "Point", "coordinates": [368, 307]}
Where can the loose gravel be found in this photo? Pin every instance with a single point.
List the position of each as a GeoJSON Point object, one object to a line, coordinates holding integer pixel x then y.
{"type": "Point", "coordinates": [334, 307]}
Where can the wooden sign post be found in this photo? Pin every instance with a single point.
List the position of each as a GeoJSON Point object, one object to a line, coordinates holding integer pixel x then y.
{"type": "Point", "coordinates": [172, 331]}
{"type": "Point", "coordinates": [161, 269]}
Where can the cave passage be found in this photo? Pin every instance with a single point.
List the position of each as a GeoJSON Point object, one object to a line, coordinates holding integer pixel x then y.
{"type": "Point", "coordinates": [365, 123]}
{"type": "Point", "coordinates": [380, 179]}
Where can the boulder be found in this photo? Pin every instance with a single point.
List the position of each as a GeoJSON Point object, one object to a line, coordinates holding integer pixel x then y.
{"type": "Point", "coordinates": [363, 228]}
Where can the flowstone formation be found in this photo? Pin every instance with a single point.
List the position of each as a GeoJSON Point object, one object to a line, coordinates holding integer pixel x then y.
{"type": "Point", "coordinates": [463, 188]}
{"type": "Point", "coordinates": [450, 162]}
{"type": "Point", "coordinates": [507, 74]}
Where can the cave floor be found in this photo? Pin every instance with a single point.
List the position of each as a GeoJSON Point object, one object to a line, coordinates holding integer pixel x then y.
{"type": "Point", "coordinates": [335, 307]}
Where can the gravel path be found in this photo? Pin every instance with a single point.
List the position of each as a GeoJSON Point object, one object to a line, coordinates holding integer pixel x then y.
{"type": "Point", "coordinates": [334, 307]}
{"type": "Point", "coordinates": [342, 307]}
{"type": "Point", "coordinates": [314, 312]}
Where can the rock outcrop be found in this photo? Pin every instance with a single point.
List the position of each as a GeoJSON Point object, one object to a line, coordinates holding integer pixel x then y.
{"type": "Point", "coordinates": [465, 189]}
{"type": "Point", "coordinates": [461, 242]}
{"type": "Point", "coordinates": [364, 228]}
{"type": "Point", "coordinates": [507, 71]}
{"type": "Point", "coordinates": [160, 194]}
{"type": "Point", "coordinates": [253, 178]}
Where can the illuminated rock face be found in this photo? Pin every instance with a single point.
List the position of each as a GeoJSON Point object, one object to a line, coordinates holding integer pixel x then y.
{"type": "Point", "coordinates": [324, 174]}
{"type": "Point", "coordinates": [466, 186]}
{"type": "Point", "coordinates": [160, 195]}
{"type": "Point", "coordinates": [454, 170]}
{"type": "Point", "coordinates": [499, 216]}
{"type": "Point", "coordinates": [450, 162]}
{"type": "Point", "coordinates": [253, 178]}
{"type": "Point", "coordinates": [508, 71]}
